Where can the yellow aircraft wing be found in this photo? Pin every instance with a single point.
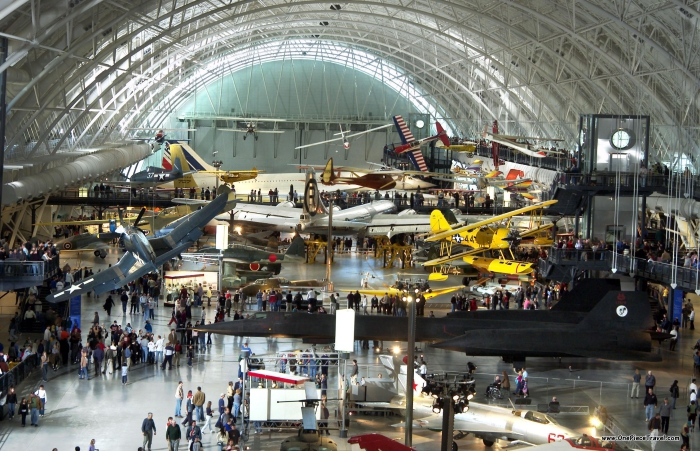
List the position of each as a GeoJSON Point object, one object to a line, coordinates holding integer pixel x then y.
{"type": "Point", "coordinates": [497, 265]}
{"type": "Point", "coordinates": [449, 258]}
{"type": "Point", "coordinates": [536, 230]}
{"type": "Point", "coordinates": [476, 225]}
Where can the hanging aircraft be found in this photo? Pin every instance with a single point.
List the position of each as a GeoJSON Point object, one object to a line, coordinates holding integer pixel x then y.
{"type": "Point", "coordinates": [511, 142]}
{"type": "Point", "coordinates": [160, 133]}
{"type": "Point", "coordinates": [251, 128]}
{"type": "Point", "coordinates": [409, 143]}
{"type": "Point", "coordinates": [618, 327]}
{"type": "Point", "coordinates": [344, 137]}
{"type": "Point", "coordinates": [144, 255]}
{"type": "Point", "coordinates": [199, 174]}
{"type": "Point", "coordinates": [256, 180]}
{"type": "Point", "coordinates": [487, 422]}
{"type": "Point", "coordinates": [155, 176]}
{"type": "Point", "coordinates": [468, 147]}
{"type": "Point", "coordinates": [379, 180]}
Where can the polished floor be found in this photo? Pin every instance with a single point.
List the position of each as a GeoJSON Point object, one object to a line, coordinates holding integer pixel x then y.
{"type": "Point", "coordinates": [103, 409]}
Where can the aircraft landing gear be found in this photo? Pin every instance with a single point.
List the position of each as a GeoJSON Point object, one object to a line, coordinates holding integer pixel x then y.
{"type": "Point", "coordinates": [102, 254]}
{"type": "Point", "coordinates": [455, 447]}
{"type": "Point", "coordinates": [488, 443]}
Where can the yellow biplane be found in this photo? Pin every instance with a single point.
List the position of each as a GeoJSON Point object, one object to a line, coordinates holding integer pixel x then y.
{"type": "Point", "coordinates": [493, 234]}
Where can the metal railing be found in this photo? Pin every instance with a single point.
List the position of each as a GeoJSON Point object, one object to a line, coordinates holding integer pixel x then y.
{"type": "Point", "coordinates": [18, 373]}
{"type": "Point", "coordinates": [22, 269]}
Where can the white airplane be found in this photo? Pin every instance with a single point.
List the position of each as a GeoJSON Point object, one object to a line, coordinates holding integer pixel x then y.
{"type": "Point", "coordinates": [288, 219]}
{"type": "Point", "coordinates": [344, 137]}
{"type": "Point", "coordinates": [283, 182]}
{"type": "Point", "coordinates": [510, 141]}
{"type": "Point", "coordinates": [489, 423]}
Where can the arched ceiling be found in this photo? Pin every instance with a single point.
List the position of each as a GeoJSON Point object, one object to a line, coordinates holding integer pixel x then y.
{"type": "Point", "coordinates": [82, 70]}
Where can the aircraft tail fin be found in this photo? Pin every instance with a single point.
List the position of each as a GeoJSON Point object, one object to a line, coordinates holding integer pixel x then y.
{"type": "Point", "coordinates": [442, 134]}
{"type": "Point", "coordinates": [403, 130]}
{"type": "Point", "coordinates": [177, 154]}
{"type": "Point", "coordinates": [515, 174]}
{"type": "Point", "coordinates": [438, 222]}
{"type": "Point", "coordinates": [619, 310]}
{"type": "Point", "coordinates": [297, 248]}
{"type": "Point", "coordinates": [177, 167]}
{"type": "Point", "coordinates": [397, 370]}
{"type": "Point", "coordinates": [327, 176]}
{"type": "Point", "coordinates": [449, 216]}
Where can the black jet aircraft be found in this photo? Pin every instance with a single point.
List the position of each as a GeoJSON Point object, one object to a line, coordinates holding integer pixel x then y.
{"type": "Point", "coordinates": [618, 327]}
{"type": "Point", "coordinates": [144, 255]}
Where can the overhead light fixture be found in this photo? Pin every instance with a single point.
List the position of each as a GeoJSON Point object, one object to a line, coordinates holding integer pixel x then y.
{"type": "Point", "coordinates": [420, 123]}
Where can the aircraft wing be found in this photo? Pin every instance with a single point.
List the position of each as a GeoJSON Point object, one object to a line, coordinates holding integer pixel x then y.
{"type": "Point", "coordinates": [83, 222]}
{"type": "Point", "coordinates": [320, 142]}
{"type": "Point", "coordinates": [459, 230]}
{"type": "Point", "coordinates": [449, 258]}
{"type": "Point", "coordinates": [346, 136]}
{"type": "Point", "coordinates": [189, 228]}
{"type": "Point", "coordinates": [536, 230]}
{"type": "Point", "coordinates": [128, 269]}
{"type": "Point", "coordinates": [441, 291]}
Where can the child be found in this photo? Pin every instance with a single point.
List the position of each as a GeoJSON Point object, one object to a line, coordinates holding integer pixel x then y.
{"type": "Point", "coordinates": [125, 372]}
{"type": "Point", "coordinates": [24, 410]}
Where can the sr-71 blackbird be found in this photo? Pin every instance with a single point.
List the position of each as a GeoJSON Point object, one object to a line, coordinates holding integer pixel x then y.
{"type": "Point", "coordinates": [616, 328]}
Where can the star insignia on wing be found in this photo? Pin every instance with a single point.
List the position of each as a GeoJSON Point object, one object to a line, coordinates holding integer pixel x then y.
{"type": "Point", "coordinates": [73, 288]}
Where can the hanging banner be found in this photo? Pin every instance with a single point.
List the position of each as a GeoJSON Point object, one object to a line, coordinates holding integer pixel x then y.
{"type": "Point", "coordinates": [345, 330]}
{"type": "Point", "coordinates": [677, 305]}
{"type": "Point", "coordinates": [74, 307]}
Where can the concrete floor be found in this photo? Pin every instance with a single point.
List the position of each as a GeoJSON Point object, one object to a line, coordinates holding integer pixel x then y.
{"type": "Point", "coordinates": [103, 409]}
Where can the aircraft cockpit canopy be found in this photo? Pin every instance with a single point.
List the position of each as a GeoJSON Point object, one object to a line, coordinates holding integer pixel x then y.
{"type": "Point", "coordinates": [536, 417]}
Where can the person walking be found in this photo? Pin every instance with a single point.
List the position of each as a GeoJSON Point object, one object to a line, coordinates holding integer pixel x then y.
{"type": "Point", "coordinates": [34, 406]}
{"type": "Point", "coordinates": [44, 366]}
{"type": "Point", "coordinates": [173, 434]}
{"type": "Point", "coordinates": [208, 414]}
{"type": "Point", "coordinates": [692, 414]}
{"type": "Point", "coordinates": [11, 401]}
{"type": "Point", "coordinates": [41, 393]}
{"type": "Point", "coordinates": [665, 413]}
{"type": "Point", "coordinates": [125, 373]}
{"type": "Point", "coordinates": [654, 426]}
{"type": "Point", "coordinates": [179, 396]}
{"type": "Point", "coordinates": [636, 379]}
{"type": "Point", "coordinates": [23, 411]}
{"type": "Point", "coordinates": [675, 393]}
{"type": "Point", "coordinates": [198, 400]}
{"type": "Point", "coordinates": [650, 403]}
{"type": "Point", "coordinates": [650, 381]}
{"type": "Point", "coordinates": [148, 428]}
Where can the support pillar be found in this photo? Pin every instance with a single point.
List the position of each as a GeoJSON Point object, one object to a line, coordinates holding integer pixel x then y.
{"type": "Point", "coordinates": [448, 421]}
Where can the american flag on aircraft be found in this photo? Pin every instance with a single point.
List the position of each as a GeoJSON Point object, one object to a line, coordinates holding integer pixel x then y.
{"type": "Point", "coordinates": [416, 157]}
{"type": "Point", "coordinates": [404, 131]}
